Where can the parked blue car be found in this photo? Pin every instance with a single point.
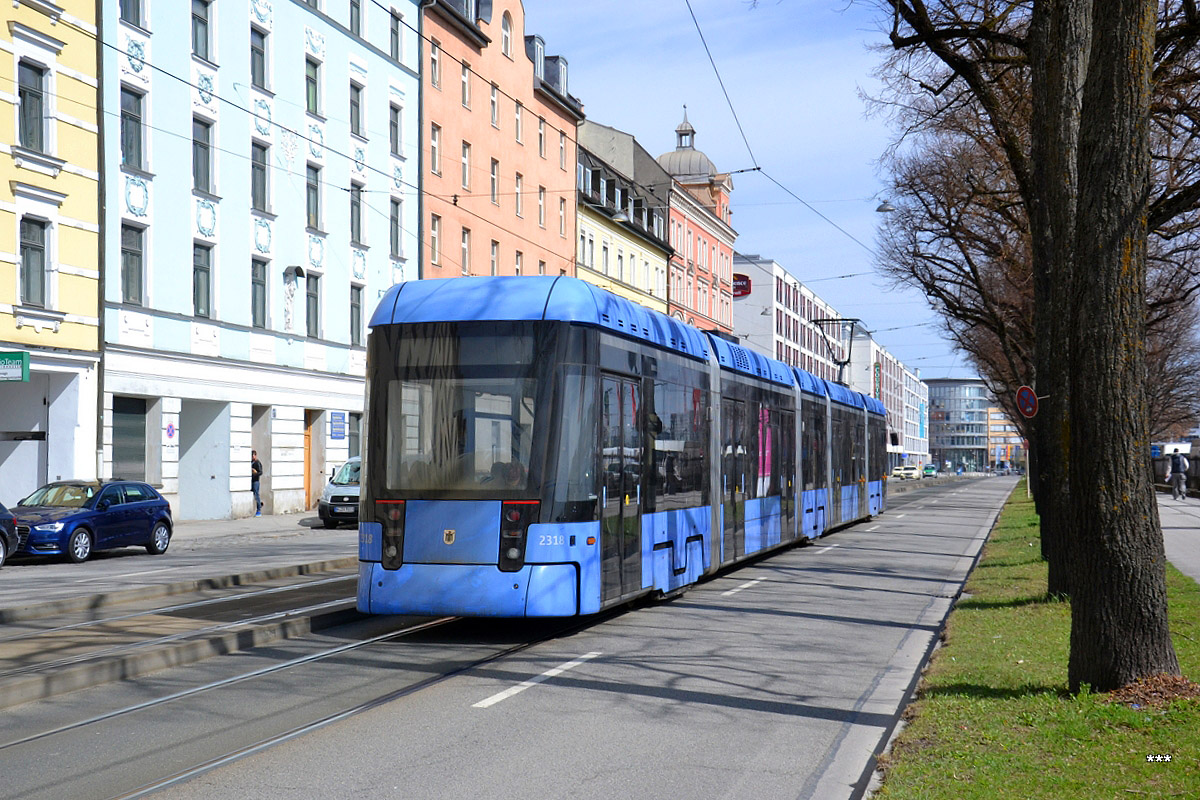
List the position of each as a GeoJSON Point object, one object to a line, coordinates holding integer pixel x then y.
{"type": "Point", "coordinates": [75, 518]}
{"type": "Point", "coordinates": [8, 534]}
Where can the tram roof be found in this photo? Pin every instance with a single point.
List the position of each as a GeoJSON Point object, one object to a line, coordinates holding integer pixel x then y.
{"type": "Point", "coordinates": [875, 406]}
{"type": "Point", "coordinates": [844, 395]}
{"type": "Point", "coordinates": [534, 297]}
{"type": "Point", "coordinates": [809, 383]}
{"type": "Point", "coordinates": [740, 359]}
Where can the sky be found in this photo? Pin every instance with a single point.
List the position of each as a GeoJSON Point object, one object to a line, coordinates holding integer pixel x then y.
{"type": "Point", "coordinates": [795, 72]}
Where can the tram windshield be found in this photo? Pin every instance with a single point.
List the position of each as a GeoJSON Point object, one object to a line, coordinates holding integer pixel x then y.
{"type": "Point", "coordinates": [462, 406]}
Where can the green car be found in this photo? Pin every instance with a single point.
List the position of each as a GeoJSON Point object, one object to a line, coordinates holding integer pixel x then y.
{"type": "Point", "coordinates": [930, 471]}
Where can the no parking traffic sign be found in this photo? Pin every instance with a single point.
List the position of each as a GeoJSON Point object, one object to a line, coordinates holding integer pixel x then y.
{"type": "Point", "coordinates": [1027, 402]}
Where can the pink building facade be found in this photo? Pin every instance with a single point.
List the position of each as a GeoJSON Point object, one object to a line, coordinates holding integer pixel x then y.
{"type": "Point", "coordinates": [699, 231]}
{"type": "Point", "coordinates": [498, 146]}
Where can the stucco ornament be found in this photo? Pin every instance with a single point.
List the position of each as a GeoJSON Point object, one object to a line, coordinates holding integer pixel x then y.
{"type": "Point", "coordinates": [262, 236]}
{"type": "Point", "coordinates": [289, 301]}
{"type": "Point", "coordinates": [206, 218]}
{"type": "Point", "coordinates": [137, 195]}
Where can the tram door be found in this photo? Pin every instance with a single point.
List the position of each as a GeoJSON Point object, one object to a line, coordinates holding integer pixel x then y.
{"type": "Point", "coordinates": [621, 525]}
{"type": "Point", "coordinates": [733, 476]}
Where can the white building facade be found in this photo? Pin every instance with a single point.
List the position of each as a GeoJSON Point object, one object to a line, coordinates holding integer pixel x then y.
{"type": "Point", "coordinates": [778, 318]}
{"type": "Point", "coordinates": [261, 162]}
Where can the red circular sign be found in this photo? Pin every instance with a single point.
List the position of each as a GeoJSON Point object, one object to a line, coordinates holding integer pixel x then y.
{"type": "Point", "coordinates": [1027, 402]}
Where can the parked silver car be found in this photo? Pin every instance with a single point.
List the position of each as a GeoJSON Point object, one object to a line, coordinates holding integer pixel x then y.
{"type": "Point", "coordinates": [339, 501]}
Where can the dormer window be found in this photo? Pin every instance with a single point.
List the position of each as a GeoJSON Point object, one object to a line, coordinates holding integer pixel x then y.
{"type": "Point", "coordinates": [469, 9]}
{"type": "Point", "coordinates": [539, 59]}
{"type": "Point", "coordinates": [562, 75]}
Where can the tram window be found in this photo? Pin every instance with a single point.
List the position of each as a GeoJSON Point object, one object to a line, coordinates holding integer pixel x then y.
{"type": "Point", "coordinates": [460, 434]}
{"type": "Point", "coordinates": [575, 489]}
{"type": "Point", "coordinates": [680, 447]}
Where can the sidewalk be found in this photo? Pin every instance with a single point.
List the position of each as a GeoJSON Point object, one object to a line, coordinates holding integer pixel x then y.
{"type": "Point", "coordinates": [1180, 521]}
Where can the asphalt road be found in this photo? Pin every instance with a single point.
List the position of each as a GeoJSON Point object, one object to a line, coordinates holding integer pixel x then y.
{"type": "Point", "coordinates": [779, 679]}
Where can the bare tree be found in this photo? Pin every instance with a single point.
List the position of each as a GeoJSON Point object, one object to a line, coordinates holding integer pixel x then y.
{"type": "Point", "coordinates": [987, 184]}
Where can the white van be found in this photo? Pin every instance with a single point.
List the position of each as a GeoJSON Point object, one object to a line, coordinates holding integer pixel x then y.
{"type": "Point", "coordinates": [339, 501]}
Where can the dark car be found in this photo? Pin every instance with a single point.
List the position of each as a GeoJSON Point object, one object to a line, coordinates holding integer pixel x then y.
{"type": "Point", "coordinates": [8, 534]}
{"type": "Point", "coordinates": [74, 518]}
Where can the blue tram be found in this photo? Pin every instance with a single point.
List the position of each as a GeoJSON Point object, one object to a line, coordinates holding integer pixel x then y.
{"type": "Point", "coordinates": [537, 446]}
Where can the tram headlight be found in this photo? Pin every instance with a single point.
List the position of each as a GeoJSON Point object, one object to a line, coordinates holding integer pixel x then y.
{"type": "Point", "coordinates": [513, 553]}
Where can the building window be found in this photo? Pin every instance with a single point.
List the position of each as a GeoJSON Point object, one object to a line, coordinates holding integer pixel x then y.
{"type": "Point", "coordinates": [562, 216]}
{"type": "Point", "coordinates": [356, 126]}
{"type": "Point", "coordinates": [394, 227]}
{"type": "Point", "coordinates": [495, 106]}
{"type": "Point", "coordinates": [312, 305]}
{"type": "Point", "coordinates": [356, 315]}
{"type": "Point", "coordinates": [313, 197]}
{"type": "Point", "coordinates": [258, 58]}
{"type": "Point", "coordinates": [506, 33]}
{"type": "Point", "coordinates": [356, 229]}
{"type": "Point", "coordinates": [201, 280]}
{"type": "Point", "coordinates": [435, 237]}
{"type": "Point", "coordinates": [31, 89]}
{"type": "Point", "coordinates": [395, 119]}
{"type": "Point", "coordinates": [131, 12]}
{"type": "Point", "coordinates": [435, 139]}
{"type": "Point", "coordinates": [131, 265]}
{"type": "Point", "coordinates": [541, 137]}
{"type": "Point", "coordinates": [466, 165]}
{"type": "Point", "coordinates": [466, 85]}
{"type": "Point", "coordinates": [356, 17]}
{"type": "Point", "coordinates": [541, 268]}
{"type": "Point", "coordinates": [33, 261]}
{"type": "Point", "coordinates": [258, 293]}
{"type": "Point", "coordinates": [200, 20]}
{"type": "Point", "coordinates": [396, 52]}
{"type": "Point", "coordinates": [519, 184]}
{"type": "Point", "coordinates": [517, 261]}
{"type": "Point", "coordinates": [435, 64]}
{"type": "Point", "coordinates": [562, 150]}
{"type": "Point", "coordinates": [518, 114]}
{"type": "Point", "coordinates": [542, 206]}
{"type": "Point", "coordinates": [201, 155]}
{"type": "Point", "coordinates": [312, 85]}
{"type": "Point", "coordinates": [258, 177]}
{"type": "Point", "coordinates": [495, 257]}
{"type": "Point", "coordinates": [466, 251]}
{"type": "Point", "coordinates": [131, 129]}
{"type": "Point", "coordinates": [495, 178]}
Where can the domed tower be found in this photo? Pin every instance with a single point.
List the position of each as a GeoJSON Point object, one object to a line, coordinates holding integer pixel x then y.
{"type": "Point", "coordinates": [685, 163]}
{"type": "Point", "coordinates": [701, 290]}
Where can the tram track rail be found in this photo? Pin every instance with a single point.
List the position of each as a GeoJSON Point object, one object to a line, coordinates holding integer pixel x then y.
{"type": "Point", "coordinates": [126, 716]}
{"type": "Point", "coordinates": [42, 662]}
{"type": "Point", "coordinates": [571, 625]}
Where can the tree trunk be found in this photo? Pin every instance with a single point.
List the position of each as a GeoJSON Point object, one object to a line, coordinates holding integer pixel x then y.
{"type": "Point", "coordinates": [1059, 43]}
{"type": "Point", "coordinates": [1119, 627]}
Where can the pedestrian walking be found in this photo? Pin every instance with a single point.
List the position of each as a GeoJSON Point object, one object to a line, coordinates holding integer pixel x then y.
{"type": "Point", "coordinates": [256, 471]}
{"type": "Point", "coordinates": [1177, 475]}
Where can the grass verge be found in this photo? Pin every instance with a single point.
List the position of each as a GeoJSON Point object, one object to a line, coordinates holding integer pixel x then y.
{"type": "Point", "coordinates": [993, 718]}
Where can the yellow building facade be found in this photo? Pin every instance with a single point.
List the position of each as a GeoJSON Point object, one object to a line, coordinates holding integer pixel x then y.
{"type": "Point", "coordinates": [49, 244]}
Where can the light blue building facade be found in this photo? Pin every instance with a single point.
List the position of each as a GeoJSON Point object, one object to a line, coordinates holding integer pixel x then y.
{"type": "Point", "coordinates": [260, 172]}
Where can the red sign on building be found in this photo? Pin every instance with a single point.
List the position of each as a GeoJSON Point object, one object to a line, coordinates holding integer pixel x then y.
{"type": "Point", "coordinates": [741, 284]}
